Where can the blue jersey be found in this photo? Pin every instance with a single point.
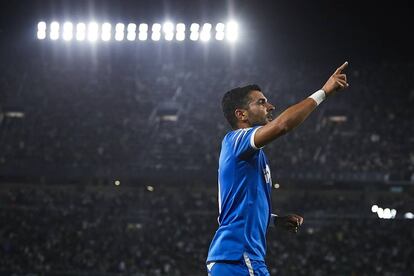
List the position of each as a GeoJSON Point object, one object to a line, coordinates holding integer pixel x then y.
{"type": "Point", "coordinates": [244, 199]}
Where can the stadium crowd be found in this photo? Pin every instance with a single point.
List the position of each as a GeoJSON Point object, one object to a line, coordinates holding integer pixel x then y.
{"type": "Point", "coordinates": [86, 114]}
{"type": "Point", "coordinates": [134, 230]}
{"type": "Point", "coordinates": [77, 115]}
{"type": "Point", "coordinates": [82, 114]}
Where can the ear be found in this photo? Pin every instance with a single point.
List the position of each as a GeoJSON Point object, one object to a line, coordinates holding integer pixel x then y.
{"type": "Point", "coordinates": [241, 114]}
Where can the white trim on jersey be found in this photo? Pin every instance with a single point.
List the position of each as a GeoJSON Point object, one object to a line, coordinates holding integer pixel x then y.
{"type": "Point", "coordinates": [219, 201]}
{"type": "Point", "coordinates": [248, 264]}
{"type": "Point", "coordinates": [242, 132]}
{"type": "Point", "coordinates": [252, 139]}
{"type": "Point", "coordinates": [210, 266]}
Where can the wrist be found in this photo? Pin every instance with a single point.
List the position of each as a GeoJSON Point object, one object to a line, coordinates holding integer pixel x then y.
{"type": "Point", "coordinates": [319, 96]}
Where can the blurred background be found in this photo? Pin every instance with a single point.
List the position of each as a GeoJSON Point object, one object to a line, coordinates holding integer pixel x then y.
{"type": "Point", "coordinates": [110, 136]}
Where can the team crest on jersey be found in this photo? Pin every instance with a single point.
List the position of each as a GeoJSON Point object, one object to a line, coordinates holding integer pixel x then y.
{"type": "Point", "coordinates": [267, 175]}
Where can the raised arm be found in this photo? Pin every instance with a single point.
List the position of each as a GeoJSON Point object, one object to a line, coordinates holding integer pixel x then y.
{"type": "Point", "coordinates": [296, 114]}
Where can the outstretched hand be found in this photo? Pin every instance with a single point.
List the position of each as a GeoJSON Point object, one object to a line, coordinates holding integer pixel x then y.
{"type": "Point", "coordinates": [337, 81]}
{"type": "Point", "coordinates": [290, 223]}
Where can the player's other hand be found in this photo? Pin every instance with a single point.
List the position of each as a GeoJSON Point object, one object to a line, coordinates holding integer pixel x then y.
{"type": "Point", "coordinates": [290, 223]}
{"type": "Point", "coordinates": [337, 81]}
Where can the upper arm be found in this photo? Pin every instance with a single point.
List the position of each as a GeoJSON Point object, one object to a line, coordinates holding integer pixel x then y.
{"type": "Point", "coordinates": [285, 122]}
{"type": "Point", "coordinates": [269, 132]}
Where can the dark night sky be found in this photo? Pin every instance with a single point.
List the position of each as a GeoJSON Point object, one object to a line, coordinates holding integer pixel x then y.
{"type": "Point", "coordinates": [295, 28]}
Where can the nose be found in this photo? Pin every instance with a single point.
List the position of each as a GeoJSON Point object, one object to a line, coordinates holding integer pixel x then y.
{"type": "Point", "coordinates": [270, 107]}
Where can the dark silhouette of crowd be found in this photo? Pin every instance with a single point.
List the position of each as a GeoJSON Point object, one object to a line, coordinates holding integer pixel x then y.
{"type": "Point", "coordinates": [103, 113]}
{"type": "Point", "coordinates": [113, 114]}
{"type": "Point", "coordinates": [166, 230]}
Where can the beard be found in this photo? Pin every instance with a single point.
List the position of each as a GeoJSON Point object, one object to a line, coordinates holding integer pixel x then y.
{"type": "Point", "coordinates": [261, 122]}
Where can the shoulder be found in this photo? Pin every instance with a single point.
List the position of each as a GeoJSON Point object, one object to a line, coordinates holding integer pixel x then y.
{"type": "Point", "coordinates": [241, 136]}
{"type": "Point", "coordinates": [236, 134]}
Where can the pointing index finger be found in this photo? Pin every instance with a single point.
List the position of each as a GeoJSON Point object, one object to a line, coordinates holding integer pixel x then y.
{"type": "Point", "coordinates": [342, 67]}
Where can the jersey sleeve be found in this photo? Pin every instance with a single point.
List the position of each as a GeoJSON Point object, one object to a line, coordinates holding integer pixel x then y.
{"type": "Point", "coordinates": [242, 141]}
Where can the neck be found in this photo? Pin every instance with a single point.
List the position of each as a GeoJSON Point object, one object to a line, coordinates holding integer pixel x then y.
{"type": "Point", "coordinates": [242, 125]}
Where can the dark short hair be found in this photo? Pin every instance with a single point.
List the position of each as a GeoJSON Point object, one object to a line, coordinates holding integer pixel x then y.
{"type": "Point", "coordinates": [236, 98]}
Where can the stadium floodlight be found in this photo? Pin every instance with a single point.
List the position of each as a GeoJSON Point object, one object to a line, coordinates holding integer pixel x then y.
{"type": "Point", "coordinates": [67, 31]}
{"type": "Point", "coordinates": [143, 31]}
{"type": "Point", "coordinates": [169, 36]}
{"type": "Point", "coordinates": [168, 29]}
{"type": "Point", "coordinates": [119, 31]}
{"type": "Point", "coordinates": [387, 213]}
{"type": "Point", "coordinates": [194, 28]}
{"type": "Point", "coordinates": [380, 212]}
{"type": "Point", "coordinates": [54, 30]}
{"type": "Point", "coordinates": [131, 31]}
{"type": "Point", "coordinates": [219, 36]}
{"type": "Point", "coordinates": [232, 31]}
{"type": "Point", "coordinates": [41, 34]}
{"type": "Point", "coordinates": [80, 31]}
{"type": "Point", "coordinates": [205, 34]}
{"type": "Point", "coordinates": [41, 26]}
{"type": "Point", "coordinates": [220, 27]}
{"type": "Point", "coordinates": [92, 31]}
{"type": "Point", "coordinates": [106, 31]}
{"type": "Point", "coordinates": [220, 31]}
{"type": "Point", "coordinates": [41, 30]}
{"type": "Point", "coordinates": [409, 215]}
{"type": "Point", "coordinates": [156, 32]}
{"type": "Point", "coordinates": [180, 36]}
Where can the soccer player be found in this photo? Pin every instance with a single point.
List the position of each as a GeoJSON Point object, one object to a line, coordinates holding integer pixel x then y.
{"type": "Point", "coordinates": [244, 189]}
